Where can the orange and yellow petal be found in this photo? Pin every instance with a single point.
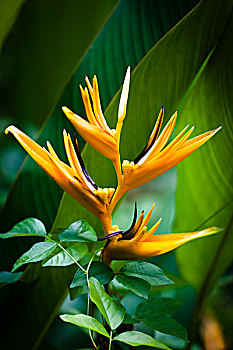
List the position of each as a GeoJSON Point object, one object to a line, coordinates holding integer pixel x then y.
{"type": "Point", "coordinates": [156, 245]}
{"type": "Point", "coordinates": [99, 139]}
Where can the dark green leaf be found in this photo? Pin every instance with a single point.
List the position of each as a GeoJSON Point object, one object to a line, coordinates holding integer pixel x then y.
{"type": "Point", "coordinates": [61, 258]}
{"type": "Point", "coordinates": [9, 277]}
{"type": "Point", "coordinates": [99, 270]}
{"type": "Point", "coordinates": [137, 285]}
{"type": "Point", "coordinates": [129, 319]}
{"type": "Point", "coordinates": [79, 231]}
{"type": "Point", "coordinates": [203, 261]}
{"type": "Point", "coordinates": [112, 310]}
{"type": "Point", "coordinates": [135, 338]}
{"type": "Point", "coordinates": [77, 291]}
{"type": "Point", "coordinates": [155, 307]}
{"type": "Point", "coordinates": [147, 271]}
{"type": "Point", "coordinates": [38, 252]}
{"type": "Point", "coordinates": [166, 325]}
{"type": "Point", "coordinates": [8, 12]}
{"type": "Point", "coordinates": [27, 227]}
{"type": "Point", "coordinates": [86, 322]}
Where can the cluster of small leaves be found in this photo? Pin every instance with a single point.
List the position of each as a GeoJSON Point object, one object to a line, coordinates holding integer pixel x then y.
{"type": "Point", "coordinates": [78, 245]}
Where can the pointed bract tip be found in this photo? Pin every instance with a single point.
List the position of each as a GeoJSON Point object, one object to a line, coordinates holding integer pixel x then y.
{"type": "Point", "coordinates": [10, 128]}
{"type": "Point", "coordinates": [67, 110]}
{"type": "Point", "coordinates": [216, 130]}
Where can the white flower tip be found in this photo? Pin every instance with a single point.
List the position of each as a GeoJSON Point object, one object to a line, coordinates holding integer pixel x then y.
{"type": "Point", "coordinates": [219, 128]}
{"type": "Point", "coordinates": [124, 95]}
{"type": "Point", "coordinates": [11, 129]}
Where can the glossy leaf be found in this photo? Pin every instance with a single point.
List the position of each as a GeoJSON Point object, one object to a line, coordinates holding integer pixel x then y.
{"type": "Point", "coordinates": [99, 270]}
{"type": "Point", "coordinates": [155, 307]}
{"type": "Point", "coordinates": [38, 252]}
{"type": "Point", "coordinates": [60, 258]}
{"type": "Point", "coordinates": [9, 277]}
{"type": "Point", "coordinates": [27, 227]}
{"type": "Point", "coordinates": [112, 310]}
{"type": "Point", "coordinates": [135, 338]}
{"type": "Point", "coordinates": [167, 325]}
{"type": "Point", "coordinates": [9, 11]}
{"type": "Point", "coordinates": [207, 199]}
{"type": "Point", "coordinates": [79, 231]}
{"type": "Point", "coordinates": [135, 284]}
{"type": "Point", "coordinates": [147, 271]}
{"type": "Point", "coordinates": [86, 322]}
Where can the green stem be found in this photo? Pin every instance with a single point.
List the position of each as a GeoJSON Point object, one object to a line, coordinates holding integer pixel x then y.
{"type": "Point", "coordinates": [71, 257]}
{"type": "Point", "coordinates": [110, 341]}
{"type": "Point", "coordinates": [88, 298]}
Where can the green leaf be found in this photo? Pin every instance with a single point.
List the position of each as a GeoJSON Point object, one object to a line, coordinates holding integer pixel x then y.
{"type": "Point", "coordinates": [167, 325]}
{"type": "Point", "coordinates": [9, 11]}
{"type": "Point", "coordinates": [137, 285]}
{"type": "Point", "coordinates": [77, 291]}
{"type": "Point", "coordinates": [135, 338]}
{"type": "Point", "coordinates": [79, 231]}
{"type": "Point", "coordinates": [207, 176]}
{"type": "Point", "coordinates": [86, 322]}
{"type": "Point", "coordinates": [60, 258]}
{"type": "Point", "coordinates": [147, 271]}
{"type": "Point", "coordinates": [99, 270]}
{"type": "Point", "coordinates": [38, 252]}
{"type": "Point", "coordinates": [155, 307]}
{"type": "Point", "coordinates": [112, 310]}
{"type": "Point", "coordinates": [27, 227]}
{"type": "Point", "coordinates": [8, 277]}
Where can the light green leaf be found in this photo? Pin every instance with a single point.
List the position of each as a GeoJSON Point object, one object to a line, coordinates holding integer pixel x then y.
{"type": "Point", "coordinates": [28, 227]}
{"type": "Point", "coordinates": [155, 307]}
{"type": "Point", "coordinates": [112, 310]}
{"type": "Point", "coordinates": [99, 270]}
{"type": "Point", "coordinates": [86, 322]}
{"type": "Point", "coordinates": [166, 325]}
{"type": "Point", "coordinates": [147, 271]}
{"type": "Point", "coordinates": [137, 285]}
{"type": "Point", "coordinates": [61, 258]}
{"type": "Point", "coordinates": [8, 277]}
{"type": "Point", "coordinates": [38, 252]}
{"type": "Point", "coordinates": [79, 231]}
{"type": "Point", "coordinates": [135, 338]}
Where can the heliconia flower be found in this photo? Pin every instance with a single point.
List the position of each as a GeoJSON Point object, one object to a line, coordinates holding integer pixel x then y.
{"type": "Point", "coordinates": [96, 130]}
{"type": "Point", "coordinates": [72, 178]}
{"type": "Point", "coordinates": [157, 157]}
{"type": "Point", "coordinates": [138, 243]}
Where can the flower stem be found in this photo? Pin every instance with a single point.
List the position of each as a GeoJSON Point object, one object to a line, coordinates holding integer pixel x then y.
{"type": "Point", "coordinates": [120, 191]}
{"type": "Point", "coordinates": [110, 341]}
{"type": "Point", "coordinates": [71, 257]}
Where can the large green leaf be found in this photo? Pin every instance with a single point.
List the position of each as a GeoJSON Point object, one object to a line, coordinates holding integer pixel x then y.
{"type": "Point", "coordinates": [207, 176]}
{"type": "Point", "coordinates": [111, 309]}
{"type": "Point", "coordinates": [8, 12]}
{"type": "Point", "coordinates": [86, 322]}
{"type": "Point", "coordinates": [38, 252]}
{"type": "Point", "coordinates": [159, 74]}
{"type": "Point", "coordinates": [135, 284]}
{"type": "Point", "coordinates": [135, 338]}
{"type": "Point", "coordinates": [149, 272]}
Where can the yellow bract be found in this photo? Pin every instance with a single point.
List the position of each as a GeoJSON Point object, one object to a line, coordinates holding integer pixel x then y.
{"type": "Point", "coordinates": [138, 243]}
{"type": "Point", "coordinates": [72, 178]}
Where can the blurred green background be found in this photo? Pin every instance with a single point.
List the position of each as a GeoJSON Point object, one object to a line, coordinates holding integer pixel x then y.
{"type": "Point", "coordinates": [180, 52]}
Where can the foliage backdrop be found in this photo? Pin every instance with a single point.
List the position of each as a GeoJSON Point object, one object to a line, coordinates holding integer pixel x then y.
{"type": "Point", "coordinates": [184, 65]}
